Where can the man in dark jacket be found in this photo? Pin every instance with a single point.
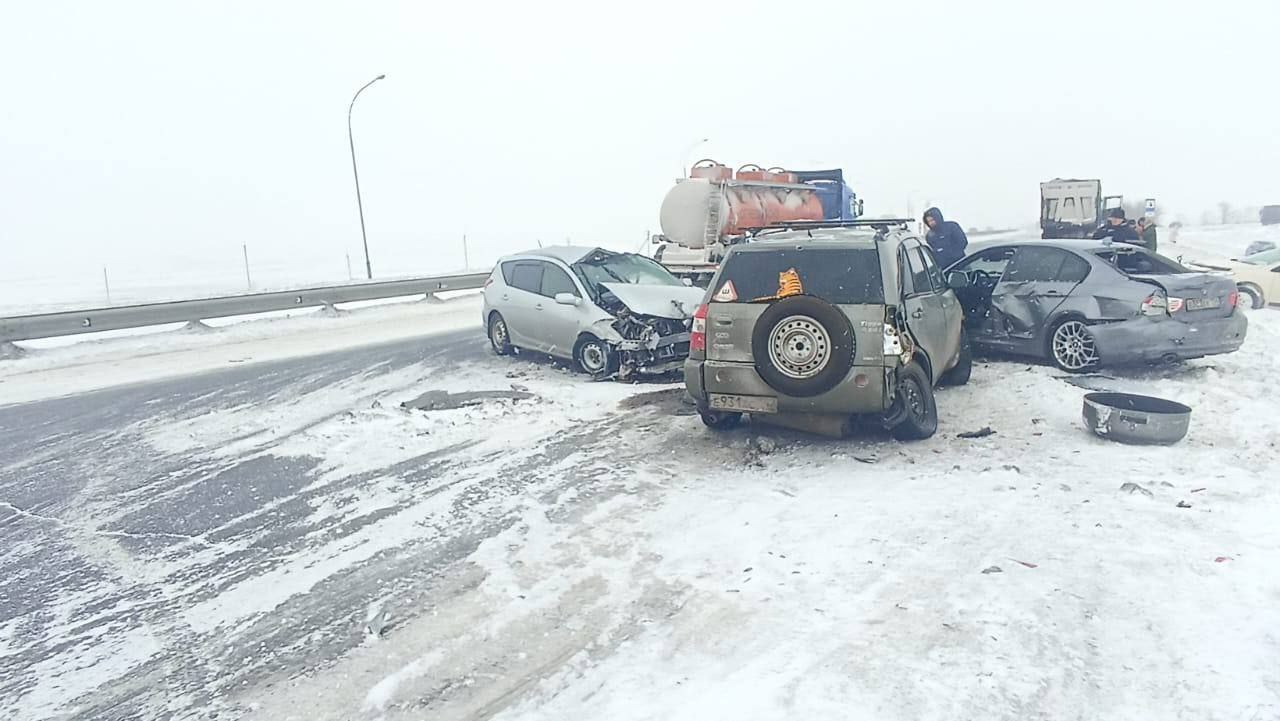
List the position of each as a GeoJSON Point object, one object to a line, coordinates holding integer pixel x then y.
{"type": "Point", "coordinates": [1117, 229]}
{"type": "Point", "coordinates": [946, 237]}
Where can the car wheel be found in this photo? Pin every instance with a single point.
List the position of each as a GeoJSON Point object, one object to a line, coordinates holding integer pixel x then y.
{"type": "Point", "coordinates": [1072, 346]}
{"type": "Point", "coordinates": [914, 393]}
{"type": "Point", "coordinates": [499, 336]}
{"type": "Point", "coordinates": [595, 358]}
{"type": "Point", "coordinates": [959, 374]}
{"type": "Point", "coordinates": [803, 346]}
{"type": "Point", "coordinates": [1254, 294]}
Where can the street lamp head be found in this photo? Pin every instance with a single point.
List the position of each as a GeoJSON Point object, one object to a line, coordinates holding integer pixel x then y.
{"type": "Point", "coordinates": [380, 77]}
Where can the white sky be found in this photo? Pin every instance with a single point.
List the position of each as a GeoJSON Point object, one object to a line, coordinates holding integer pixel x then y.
{"type": "Point", "coordinates": [169, 133]}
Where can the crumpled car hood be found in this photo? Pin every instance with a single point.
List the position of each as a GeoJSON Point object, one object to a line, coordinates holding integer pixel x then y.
{"type": "Point", "coordinates": [664, 301]}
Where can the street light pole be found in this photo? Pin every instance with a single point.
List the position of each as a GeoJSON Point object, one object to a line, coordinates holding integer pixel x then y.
{"type": "Point", "coordinates": [684, 159]}
{"type": "Point", "coordinates": [368, 266]}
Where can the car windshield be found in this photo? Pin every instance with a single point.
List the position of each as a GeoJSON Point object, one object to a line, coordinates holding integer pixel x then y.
{"type": "Point", "coordinates": [603, 266]}
{"type": "Point", "coordinates": [1266, 257]}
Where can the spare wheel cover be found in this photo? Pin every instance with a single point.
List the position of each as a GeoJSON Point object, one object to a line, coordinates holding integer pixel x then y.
{"type": "Point", "coordinates": [803, 346]}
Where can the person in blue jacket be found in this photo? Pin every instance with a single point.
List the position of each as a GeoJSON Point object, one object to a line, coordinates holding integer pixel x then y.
{"type": "Point", "coordinates": [946, 237]}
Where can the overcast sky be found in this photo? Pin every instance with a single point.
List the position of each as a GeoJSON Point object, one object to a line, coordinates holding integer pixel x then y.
{"type": "Point", "coordinates": [173, 132]}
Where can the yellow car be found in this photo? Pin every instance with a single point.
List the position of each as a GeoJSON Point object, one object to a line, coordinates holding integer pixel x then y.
{"type": "Point", "coordinates": [1257, 276]}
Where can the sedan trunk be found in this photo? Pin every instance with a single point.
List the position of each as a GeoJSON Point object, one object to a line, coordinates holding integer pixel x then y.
{"type": "Point", "coordinates": [1195, 296]}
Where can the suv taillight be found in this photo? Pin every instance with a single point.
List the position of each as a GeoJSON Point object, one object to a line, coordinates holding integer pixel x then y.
{"type": "Point", "coordinates": [698, 330]}
{"type": "Point", "coordinates": [1233, 298]}
{"type": "Point", "coordinates": [488, 281]}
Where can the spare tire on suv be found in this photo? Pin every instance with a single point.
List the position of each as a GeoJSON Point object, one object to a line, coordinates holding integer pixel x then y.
{"type": "Point", "coordinates": [803, 346]}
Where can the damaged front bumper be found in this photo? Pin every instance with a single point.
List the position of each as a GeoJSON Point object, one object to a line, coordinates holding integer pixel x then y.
{"type": "Point", "coordinates": [1147, 340]}
{"type": "Point", "coordinates": [652, 355]}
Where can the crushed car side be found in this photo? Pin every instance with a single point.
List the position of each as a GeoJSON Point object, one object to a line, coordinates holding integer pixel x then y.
{"type": "Point", "coordinates": [1082, 304]}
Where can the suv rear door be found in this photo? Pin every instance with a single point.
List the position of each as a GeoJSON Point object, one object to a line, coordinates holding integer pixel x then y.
{"type": "Point", "coordinates": [927, 316]}
{"type": "Point", "coordinates": [750, 277]}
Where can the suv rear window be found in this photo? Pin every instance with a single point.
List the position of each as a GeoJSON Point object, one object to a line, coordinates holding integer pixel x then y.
{"type": "Point", "coordinates": [840, 276]}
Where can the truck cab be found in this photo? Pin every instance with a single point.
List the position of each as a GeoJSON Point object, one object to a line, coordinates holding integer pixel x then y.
{"type": "Point", "coordinates": [1073, 208]}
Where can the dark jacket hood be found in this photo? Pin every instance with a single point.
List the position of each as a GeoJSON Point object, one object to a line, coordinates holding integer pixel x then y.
{"type": "Point", "coordinates": [935, 214]}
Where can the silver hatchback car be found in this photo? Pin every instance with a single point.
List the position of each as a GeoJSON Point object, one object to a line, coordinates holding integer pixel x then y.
{"type": "Point", "coordinates": [612, 314]}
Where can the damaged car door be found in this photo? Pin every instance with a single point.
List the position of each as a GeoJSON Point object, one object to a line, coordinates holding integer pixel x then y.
{"type": "Point", "coordinates": [923, 304]}
{"type": "Point", "coordinates": [1037, 280]}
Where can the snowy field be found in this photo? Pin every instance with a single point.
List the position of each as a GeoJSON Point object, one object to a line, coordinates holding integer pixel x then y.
{"type": "Point", "coordinates": [595, 553]}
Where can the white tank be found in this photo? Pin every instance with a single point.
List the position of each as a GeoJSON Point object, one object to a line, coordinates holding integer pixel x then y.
{"type": "Point", "coordinates": [684, 213]}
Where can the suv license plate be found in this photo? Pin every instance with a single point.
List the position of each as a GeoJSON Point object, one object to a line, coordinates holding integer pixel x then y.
{"type": "Point", "coordinates": [744, 404]}
{"type": "Point", "coordinates": [1202, 303]}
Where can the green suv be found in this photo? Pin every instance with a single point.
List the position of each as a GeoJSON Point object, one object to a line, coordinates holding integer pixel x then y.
{"type": "Point", "coordinates": [818, 325]}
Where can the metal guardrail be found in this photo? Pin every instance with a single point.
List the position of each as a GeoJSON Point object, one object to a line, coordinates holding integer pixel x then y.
{"type": "Point", "coordinates": [73, 322]}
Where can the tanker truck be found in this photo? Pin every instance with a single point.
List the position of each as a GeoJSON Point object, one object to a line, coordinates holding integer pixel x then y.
{"type": "Point", "coordinates": [714, 207]}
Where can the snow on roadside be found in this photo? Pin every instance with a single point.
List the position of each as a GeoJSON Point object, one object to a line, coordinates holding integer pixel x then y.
{"type": "Point", "coordinates": [91, 365]}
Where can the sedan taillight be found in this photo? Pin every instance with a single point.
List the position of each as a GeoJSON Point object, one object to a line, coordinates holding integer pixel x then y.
{"type": "Point", "coordinates": [1155, 304]}
{"type": "Point", "coordinates": [698, 330]}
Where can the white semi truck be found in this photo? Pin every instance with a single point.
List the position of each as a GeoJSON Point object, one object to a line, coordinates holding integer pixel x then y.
{"type": "Point", "coordinates": [1073, 208]}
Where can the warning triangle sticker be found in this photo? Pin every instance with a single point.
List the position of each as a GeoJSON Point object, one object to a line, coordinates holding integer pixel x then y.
{"type": "Point", "coordinates": [726, 294]}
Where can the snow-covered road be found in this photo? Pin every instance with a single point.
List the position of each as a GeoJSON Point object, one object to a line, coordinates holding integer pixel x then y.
{"type": "Point", "coordinates": [216, 545]}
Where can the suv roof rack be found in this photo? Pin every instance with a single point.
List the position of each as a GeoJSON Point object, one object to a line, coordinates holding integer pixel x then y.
{"type": "Point", "coordinates": [879, 223]}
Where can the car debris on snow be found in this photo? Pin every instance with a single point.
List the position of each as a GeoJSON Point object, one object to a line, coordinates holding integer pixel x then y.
{"type": "Point", "coordinates": [444, 400]}
{"type": "Point", "coordinates": [377, 619]}
{"type": "Point", "coordinates": [766, 445]}
{"type": "Point", "coordinates": [980, 433]}
{"type": "Point", "coordinates": [1132, 488]}
{"type": "Point", "coordinates": [1183, 504]}
{"type": "Point", "coordinates": [993, 569]}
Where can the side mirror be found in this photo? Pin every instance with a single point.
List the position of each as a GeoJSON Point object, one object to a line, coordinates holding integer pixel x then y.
{"type": "Point", "coordinates": [687, 281]}
{"type": "Point", "coordinates": [957, 280]}
{"type": "Point", "coordinates": [568, 299]}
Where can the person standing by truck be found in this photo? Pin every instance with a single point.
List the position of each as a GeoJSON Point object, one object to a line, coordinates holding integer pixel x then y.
{"type": "Point", "coordinates": [946, 237]}
{"type": "Point", "coordinates": [1117, 229]}
{"type": "Point", "coordinates": [1147, 231]}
